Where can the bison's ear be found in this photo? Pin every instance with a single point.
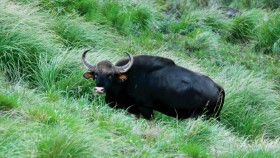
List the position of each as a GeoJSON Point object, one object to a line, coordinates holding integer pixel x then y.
{"type": "Point", "coordinates": [122, 78]}
{"type": "Point", "coordinates": [87, 75]}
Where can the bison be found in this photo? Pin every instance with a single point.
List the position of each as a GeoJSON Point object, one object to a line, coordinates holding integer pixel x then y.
{"type": "Point", "coordinates": [143, 83]}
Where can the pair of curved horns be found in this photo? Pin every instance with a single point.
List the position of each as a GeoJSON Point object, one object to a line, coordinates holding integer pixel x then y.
{"type": "Point", "coordinates": [116, 69]}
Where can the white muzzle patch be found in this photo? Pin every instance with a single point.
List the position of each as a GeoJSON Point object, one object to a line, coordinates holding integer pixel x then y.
{"type": "Point", "coordinates": [99, 90]}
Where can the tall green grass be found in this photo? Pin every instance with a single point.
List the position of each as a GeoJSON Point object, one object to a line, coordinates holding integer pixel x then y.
{"type": "Point", "coordinates": [78, 127]}
{"type": "Point", "coordinates": [243, 25]}
{"type": "Point", "coordinates": [7, 101]}
{"type": "Point", "coordinates": [32, 48]}
{"type": "Point", "coordinates": [91, 35]}
{"type": "Point", "coordinates": [268, 35]}
{"type": "Point", "coordinates": [242, 4]}
{"type": "Point", "coordinates": [271, 4]}
{"type": "Point", "coordinates": [14, 140]}
{"type": "Point", "coordinates": [25, 35]}
{"type": "Point", "coordinates": [129, 18]}
{"type": "Point", "coordinates": [203, 40]}
{"type": "Point", "coordinates": [61, 75]}
{"type": "Point", "coordinates": [41, 44]}
{"type": "Point", "coordinates": [126, 17]}
{"type": "Point", "coordinates": [251, 105]}
{"type": "Point", "coordinates": [63, 143]}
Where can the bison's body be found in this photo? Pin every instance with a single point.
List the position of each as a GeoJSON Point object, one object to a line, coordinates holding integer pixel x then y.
{"type": "Point", "coordinates": [156, 83]}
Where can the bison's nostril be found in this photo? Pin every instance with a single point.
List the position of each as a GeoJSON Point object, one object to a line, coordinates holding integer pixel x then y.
{"type": "Point", "coordinates": [99, 89]}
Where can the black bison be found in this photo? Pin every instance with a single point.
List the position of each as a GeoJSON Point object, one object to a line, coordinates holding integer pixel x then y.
{"type": "Point", "coordinates": [143, 83]}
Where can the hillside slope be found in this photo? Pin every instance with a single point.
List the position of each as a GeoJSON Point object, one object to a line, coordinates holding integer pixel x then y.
{"type": "Point", "coordinates": [47, 109]}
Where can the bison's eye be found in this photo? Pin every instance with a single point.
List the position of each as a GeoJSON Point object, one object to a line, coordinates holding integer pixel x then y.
{"type": "Point", "coordinates": [110, 77]}
{"type": "Point", "coordinates": [95, 76]}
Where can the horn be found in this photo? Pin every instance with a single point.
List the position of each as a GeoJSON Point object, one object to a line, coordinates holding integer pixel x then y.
{"type": "Point", "coordinates": [126, 67]}
{"type": "Point", "coordinates": [85, 62]}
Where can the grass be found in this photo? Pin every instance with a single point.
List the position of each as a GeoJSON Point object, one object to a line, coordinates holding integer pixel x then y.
{"type": "Point", "coordinates": [57, 143]}
{"type": "Point", "coordinates": [252, 104]}
{"type": "Point", "coordinates": [47, 109]}
{"type": "Point", "coordinates": [268, 35]}
{"type": "Point", "coordinates": [242, 26]}
{"type": "Point", "coordinates": [20, 49]}
{"type": "Point", "coordinates": [83, 128]}
{"type": "Point", "coordinates": [7, 101]}
{"type": "Point", "coordinates": [126, 18]}
{"type": "Point", "coordinates": [272, 4]}
{"type": "Point", "coordinates": [74, 35]}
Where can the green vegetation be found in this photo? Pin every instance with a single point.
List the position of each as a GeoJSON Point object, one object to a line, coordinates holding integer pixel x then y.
{"type": "Point", "coordinates": [47, 109]}
{"type": "Point", "coordinates": [268, 34]}
{"type": "Point", "coordinates": [7, 102]}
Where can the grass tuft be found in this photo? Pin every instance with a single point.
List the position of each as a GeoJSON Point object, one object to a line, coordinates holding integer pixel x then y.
{"type": "Point", "coordinates": [194, 150]}
{"type": "Point", "coordinates": [127, 19]}
{"type": "Point", "coordinates": [62, 143]}
{"type": "Point", "coordinates": [61, 75]}
{"type": "Point", "coordinates": [7, 102]}
{"type": "Point", "coordinates": [259, 153]}
{"type": "Point", "coordinates": [24, 36]}
{"type": "Point", "coordinates": [208, 41]}
{"type": "Point", "coordinates": [75, 35]}
{"type": "Point", "coordinates": [45, 114]}
{"type": "Point", "coordinates": [268, 35]}
{"type": "Point", "coordinates": [270, 4]}
{"type": "Point", "coordinates": [251, 108]}
{"type": "Point", "coordinates": [243, 25]}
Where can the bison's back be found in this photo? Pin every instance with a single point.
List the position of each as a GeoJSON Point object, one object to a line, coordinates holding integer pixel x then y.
{"type": "Point", "coordinates": [147, 63]}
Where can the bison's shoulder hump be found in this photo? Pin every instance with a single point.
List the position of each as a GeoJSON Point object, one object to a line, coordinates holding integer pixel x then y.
{"type": "Point", "coordinates": [148, 60]}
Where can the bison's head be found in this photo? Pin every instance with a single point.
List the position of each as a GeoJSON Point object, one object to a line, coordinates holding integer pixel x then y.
{"type": "Point", "coordinates": [105, 73]}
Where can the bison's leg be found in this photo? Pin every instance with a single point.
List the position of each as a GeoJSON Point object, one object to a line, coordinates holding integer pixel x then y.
{"type": "Point", "coordinates": [137, 116]}
{"type": "Point", "coordinates": [146, 111]}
